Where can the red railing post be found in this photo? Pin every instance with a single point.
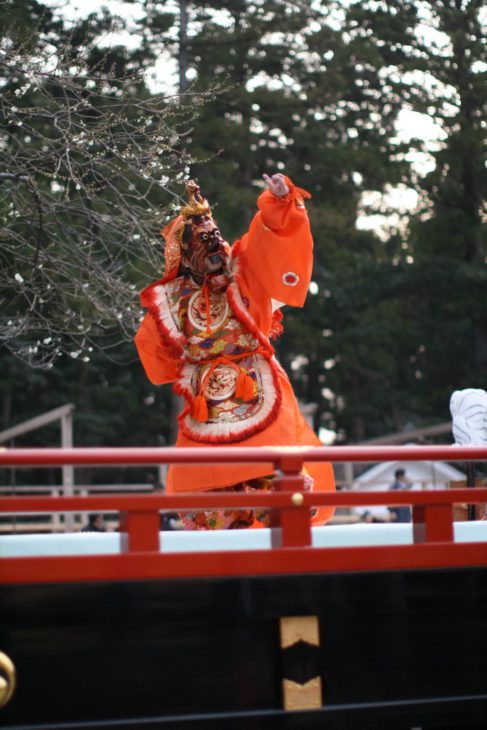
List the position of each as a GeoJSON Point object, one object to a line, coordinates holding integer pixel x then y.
{"type": "Point", "coordinates": [291, 526]}
{"type": "Point", "coordinates": [432, 523]}
{"type": "Point", "coordinates": [139, 531]}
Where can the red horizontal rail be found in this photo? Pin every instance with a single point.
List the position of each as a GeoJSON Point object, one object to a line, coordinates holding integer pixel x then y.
{"type": "Point", "coordinates": [143, 503]}
{"type": "Point", "coordinates": [154, 565]}
{"type": "Point", "coordinates": [139, 519]}
{"type": "Point", "coordinates": [278, 456]}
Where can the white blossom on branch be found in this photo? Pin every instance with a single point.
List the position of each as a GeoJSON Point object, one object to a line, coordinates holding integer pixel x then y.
{"type": "Point", "coordinates": [92, 169]}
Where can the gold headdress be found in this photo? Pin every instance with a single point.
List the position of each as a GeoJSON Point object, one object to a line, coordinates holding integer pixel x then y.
{"type": "Point", "coordinates": [197, 205]}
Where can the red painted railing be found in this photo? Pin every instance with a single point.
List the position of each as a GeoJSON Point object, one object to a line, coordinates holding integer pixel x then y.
{"type": "Point", "coordinates": [433, 544]}
{"type": "Point", "coordinates": [281, 457]}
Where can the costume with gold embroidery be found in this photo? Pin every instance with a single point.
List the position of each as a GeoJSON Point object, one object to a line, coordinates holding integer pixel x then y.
{"type": "Point", "coordinates": [208, 330]}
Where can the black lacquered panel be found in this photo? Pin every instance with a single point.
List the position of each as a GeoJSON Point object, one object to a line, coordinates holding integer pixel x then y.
{"type": "Point", "coordinates": [116, 650]}
{"type": "Point", "coordinates": [407, 635]}
{"type": "Point", "coordinates": [179, 648]}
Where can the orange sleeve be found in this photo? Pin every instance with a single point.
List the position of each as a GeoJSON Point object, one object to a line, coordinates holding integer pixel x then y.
{"type": "Point", "coordinates": [159, 364]}
{"type": "Point", "coordinates": [279, 247]}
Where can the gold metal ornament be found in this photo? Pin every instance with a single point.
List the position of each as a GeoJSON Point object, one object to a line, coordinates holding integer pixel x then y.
{"type": "Point", "coordinates": [299, 628]}
{"type": "Point", "coordinates": [8, 681]}
{"type": "Point", "coordinates": [197, 204]}
{"type": "Point", "coordinates": [302, 696]}
{"type": "Point", "coordinates": [297, 695]}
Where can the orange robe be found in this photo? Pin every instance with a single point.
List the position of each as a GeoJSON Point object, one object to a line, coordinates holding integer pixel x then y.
{"type": "Point", "coordinates": [271, 266]}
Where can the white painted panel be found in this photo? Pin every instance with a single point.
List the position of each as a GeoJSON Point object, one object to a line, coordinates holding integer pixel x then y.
{"type": "Point", "coordinates": [201, 541]}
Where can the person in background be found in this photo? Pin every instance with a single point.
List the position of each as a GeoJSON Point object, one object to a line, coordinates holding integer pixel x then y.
{"type": "Point", "coordinates": [369, 518]}
{"type": "Point", "coordinates": [402, 512]}
{"type": "Point", "coordinates": [96, 523]}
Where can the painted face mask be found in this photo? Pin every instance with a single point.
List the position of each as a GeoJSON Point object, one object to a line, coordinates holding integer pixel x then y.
{"type": "Point", "coordinates": [194, 244]}
{"type": "Point", "coordinates": [206, 252]}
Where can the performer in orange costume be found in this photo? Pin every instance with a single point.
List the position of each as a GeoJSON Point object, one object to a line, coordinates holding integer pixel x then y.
{"type": "Point", "coordinates": [208, 329]}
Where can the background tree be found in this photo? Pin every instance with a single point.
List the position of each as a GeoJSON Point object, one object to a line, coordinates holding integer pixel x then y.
{"type": "Point", "coordinates": [433, 56]}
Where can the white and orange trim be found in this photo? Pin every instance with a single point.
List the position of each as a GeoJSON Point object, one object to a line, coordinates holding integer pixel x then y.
{"type": "Point", "coordinates": [160, 300]}
{"type": "Point", "coordinates": [224, 432]}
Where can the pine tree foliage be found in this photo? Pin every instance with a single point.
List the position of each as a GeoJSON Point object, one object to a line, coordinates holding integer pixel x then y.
{"type": "Point", "coordinates": [433, 56]}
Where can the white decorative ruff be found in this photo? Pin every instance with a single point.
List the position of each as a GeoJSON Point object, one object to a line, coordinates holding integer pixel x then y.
{"type": "Point", "coordinates": [166, 312]}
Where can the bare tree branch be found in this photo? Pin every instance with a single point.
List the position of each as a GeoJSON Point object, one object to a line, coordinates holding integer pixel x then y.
{"type": "Point", "coordinates": [92, 166]}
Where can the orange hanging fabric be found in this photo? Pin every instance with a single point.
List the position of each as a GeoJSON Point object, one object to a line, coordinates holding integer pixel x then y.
{"type": "Point", "coordinates": [199, 410]}
{"type": "Point", "coordinates": [245, 386]}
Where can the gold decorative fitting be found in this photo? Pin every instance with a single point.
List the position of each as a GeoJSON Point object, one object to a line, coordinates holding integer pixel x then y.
{"type": "Point", "coordinates": [302, 696]}
{"type": "Point", "coordinates": [301, 680]}
{"type": "Point", "coordinates": [197, 204]}
{"type": "Point", "coordinates": [297, 499]}
{"type": "Point", "coordinates": [299, 628]}
{"type": "Point", "coordinates": [7, 679]}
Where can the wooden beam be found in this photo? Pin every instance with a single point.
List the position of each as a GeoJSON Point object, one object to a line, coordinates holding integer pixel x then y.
{"type": "Point", "coordinates": [403, 437]}
{"type": "Point", "coordinates": [38, 422]}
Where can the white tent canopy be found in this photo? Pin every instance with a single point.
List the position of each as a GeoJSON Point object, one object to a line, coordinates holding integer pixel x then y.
{"type": "Point", "coordinates": [420, 474]}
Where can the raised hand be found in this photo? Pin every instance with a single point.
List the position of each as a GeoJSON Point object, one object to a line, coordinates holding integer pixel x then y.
{"type": "Point", "coordinates": [276, 184]}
